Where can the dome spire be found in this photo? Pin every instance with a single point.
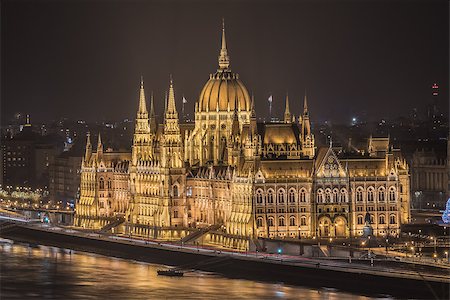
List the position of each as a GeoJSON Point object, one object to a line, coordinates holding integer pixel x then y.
{"type": "Point", "coordinates": [224, 59]}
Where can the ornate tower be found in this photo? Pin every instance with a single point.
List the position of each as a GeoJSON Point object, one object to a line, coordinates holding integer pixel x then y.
{"type": "Point", "coordinates": [307, 137]}
{"type": "Point", "coordinates": [142, 138]}
{"type": "Point", "coordinates": [173, 174]}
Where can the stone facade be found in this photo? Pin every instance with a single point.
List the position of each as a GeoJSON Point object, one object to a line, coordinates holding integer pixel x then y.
{"type": "Point", "coordinates": [238, 178]}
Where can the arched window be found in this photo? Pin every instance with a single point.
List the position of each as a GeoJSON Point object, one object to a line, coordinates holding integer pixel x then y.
{"type": "Point", "coordinates": [327, 195]}
{"type": "Point", "coordinates": [360, 220]}
{"type": "Point", "coordinates": [109, 184]}
{"type": "Point", "coordinates": [281, 221]}
{"type": "Point", "coordinates": [344, 195]}
{"type": "Point", "coordinates": [392, 196]}
{"type": "Point", "coordinates": [292, 221]}
{"type": "Point", "coordinates": [259, 196]}
{"type": "Point", "coordinates": [381, 219]}
{"type": "Point", "coordinates": [270, 222]}
{"type": "Point", "coordinates": [381, 195]}
{"type": "Point", "coordinates": [175, 190]}
{"type": "Point", "coordinates": [370, 194]}
{"type": "Point", "coordinates": [291, 196]}
{"type": "Point", "coordinates": [102, 183]}
{"type": "Point", "coordinates": [392, 219]}
{"type": "Point", "coordinates": [303, 221]}
{"type": "Point", "coordinates": [259, 222]}
{"type": "Point", "coordinates": [175, 214]}
{"type": "Point", "coordinates": [280, 196]}
{"type": "Point", "coordinates": [335, 195]}
{"type": "Point", "coordinates": [302, 195]}
{"type": "Point", "coordinates": [319, 196]}
{"type": "Point", "coordinates": [359, 194]}
{"type": "Point", "coordinates": [270, 196]}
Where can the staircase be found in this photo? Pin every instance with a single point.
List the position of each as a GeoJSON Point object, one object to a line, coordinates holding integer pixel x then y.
{"type": "Point", "coordinates": [112, 224]}
{"type": "Point", "coordinates": [199, 233]}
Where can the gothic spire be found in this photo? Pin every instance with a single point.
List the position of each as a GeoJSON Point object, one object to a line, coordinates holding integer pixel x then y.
{"type": "Point", "coordinates": [152, 115]}
{"type": "Point", "coordinates": [224, 59]}
{"type": "Point", "coordinates": [171, 107]}
{"type": "Point", "coordinates": [99, 145]}
{"type": "Point", "coordinates": [88, 152]}
{"type": "Point", "coordinates": [287, 112]}
{"type": "Point", "coordinates": [142, 112]}
{"type": "Point", "coordinates": [305, 106]}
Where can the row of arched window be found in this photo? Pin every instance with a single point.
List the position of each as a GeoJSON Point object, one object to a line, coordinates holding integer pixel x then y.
{"type": "Point", "coordinates": [381, 193]}
{"type": "Point", "coordinates": [329, 196]}
{"type": "Point", "coordinates": [381, 219]}
{"type": "Point", "coordinates": [281, 196]}
{"type": "Point", "coordinates": [281, 221]}
{"type": "Point", "coordinates": [102, 184]}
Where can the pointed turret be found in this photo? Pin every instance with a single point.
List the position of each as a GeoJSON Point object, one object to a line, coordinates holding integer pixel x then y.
{"type": "Point", "coordinates": [306, 126]}
{"type": "Point", "coordinates": [287, 112]}
{"type": "Point", "coordinates": [235, 125]}
{"type": "Point", "coordinates": [224, 59]}
{"type": "Point", "coordinates": [308, 147]}
{"type": "Point", "coordinates": [142, 111]}
{"type": "Point", "coordinates": [171, 145]}
{"type": "Point", "coordinates": [171, 107]}
{"type": "Point", "coordinates": [152, 115]}
{"type": "Point", "coordinates": [305, 106]}
{"type": "Point", "coordinates": [99, 146]}
{"type": "Point", "coordinates": [253, 121]}
{"type": "Point", "coordinates": [88, 152]}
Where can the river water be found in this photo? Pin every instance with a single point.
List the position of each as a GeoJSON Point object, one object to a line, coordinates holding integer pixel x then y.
{"type": "Point", "coordinates": [52, 273]}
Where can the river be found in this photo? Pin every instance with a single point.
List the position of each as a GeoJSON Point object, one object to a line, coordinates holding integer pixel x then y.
{"type": "Point", "coordinates": [52, 273]}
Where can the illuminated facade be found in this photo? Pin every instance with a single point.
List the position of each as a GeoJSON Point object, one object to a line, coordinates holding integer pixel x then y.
{"type": "Point", "coordinates": [239, 179]}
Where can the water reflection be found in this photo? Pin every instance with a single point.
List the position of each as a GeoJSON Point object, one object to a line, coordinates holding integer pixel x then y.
{"type": "Point", "coordinates": [53, 273]}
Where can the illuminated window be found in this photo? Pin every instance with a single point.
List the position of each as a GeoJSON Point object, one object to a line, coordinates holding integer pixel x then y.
{"type": "Point", "coordinates": [392, 196]}
{"type": "Point", "coordinates": [302, 195]}
{"type": "Point", "coordinates": [292, 196]}
{"type": "Point", "coordinates": [359, 194]}
{"type": "Point", "coordinates": [292, 221]}
{"type": "Point", "coordinates": [381, 194]}
{"type": "Point", "coordinates": [270, 196]}
{"type": "Point", "coordinates": [303, 221]}
{"type": "Point", "coordinates": [259, 196]}
{"type": "Point", "coordinates": [281, 196]}
{"type": "Point", "coordinates": [259, 222]}
{"type": "Point", "coordinates": [392, 219]}
{"type": "Point", "coordinates": [370, 195]}
{"type": "Point", "coordinates": [360, 220]}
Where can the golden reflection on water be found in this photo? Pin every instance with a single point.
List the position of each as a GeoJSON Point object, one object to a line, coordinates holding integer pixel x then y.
{"type": "Point", "coordinates": [52, 273]}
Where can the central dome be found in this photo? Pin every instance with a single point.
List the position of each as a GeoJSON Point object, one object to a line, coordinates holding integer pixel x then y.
{"type": "Point", "coordinates": [224, 91]}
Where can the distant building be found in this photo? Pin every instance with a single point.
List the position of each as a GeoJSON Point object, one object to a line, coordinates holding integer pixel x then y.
{"type": "Point", "coordinates": [26, 158]}
{"type": "Point", "coordinates": [64, 183]}
{"type": "Point", "coordinates": [429, 177]}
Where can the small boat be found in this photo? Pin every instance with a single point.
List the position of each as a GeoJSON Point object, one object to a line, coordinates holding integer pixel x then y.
{"type": "Point", "coordinates": [173, 273]}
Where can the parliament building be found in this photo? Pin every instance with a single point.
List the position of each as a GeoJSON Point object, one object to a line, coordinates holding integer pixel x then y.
{"type": "Point", "coordinates": [233, 179]}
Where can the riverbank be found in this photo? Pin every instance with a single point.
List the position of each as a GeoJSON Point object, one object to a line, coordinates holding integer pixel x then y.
{"type": "Point", "coordinates": [271, 268]}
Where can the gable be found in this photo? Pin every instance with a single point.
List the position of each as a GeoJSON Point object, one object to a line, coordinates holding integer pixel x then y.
{"type": "Point", "coordinates": [330, 166]}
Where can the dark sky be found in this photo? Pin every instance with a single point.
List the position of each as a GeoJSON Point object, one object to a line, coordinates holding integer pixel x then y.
{"type": "Point", "coordinates": [83, 59]}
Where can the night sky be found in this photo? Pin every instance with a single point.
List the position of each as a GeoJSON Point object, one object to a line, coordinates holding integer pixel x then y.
{"type": "Point", "coordinates": [83, 59]}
